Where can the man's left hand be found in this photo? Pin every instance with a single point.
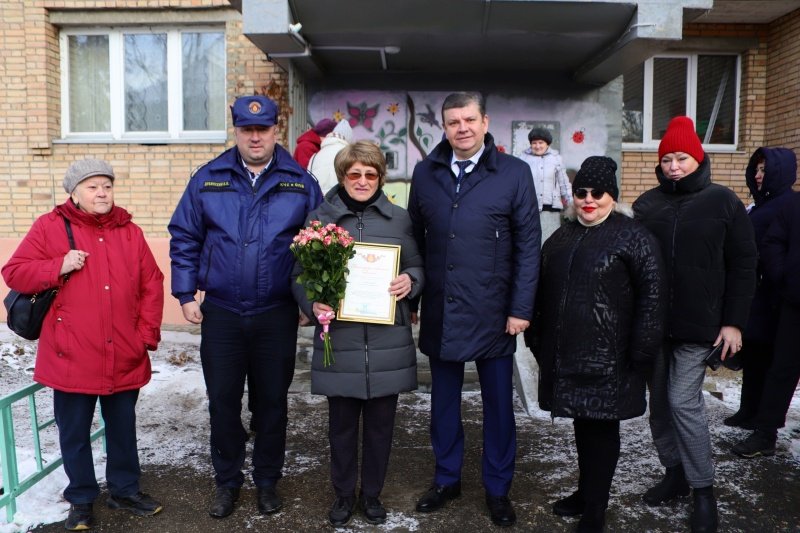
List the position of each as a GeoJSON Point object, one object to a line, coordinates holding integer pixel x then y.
{"type": "Point", "coordinates": [516, 325]}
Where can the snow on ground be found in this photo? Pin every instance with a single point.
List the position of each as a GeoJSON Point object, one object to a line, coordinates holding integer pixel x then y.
{"type": "Point", "coordinates": [173, 430]}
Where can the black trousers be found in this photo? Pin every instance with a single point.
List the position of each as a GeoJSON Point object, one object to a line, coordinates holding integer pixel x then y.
{"type": "Point", "coordinates": [598, 452]}
{"type": "Point", "coordinates": [344, 415]}
{"type": "Point", "coordinates": [262, 348]}
{"type": "Point", "coordinates": [783, 374]}
{"type": "Point", "coordinates": [756, 359]}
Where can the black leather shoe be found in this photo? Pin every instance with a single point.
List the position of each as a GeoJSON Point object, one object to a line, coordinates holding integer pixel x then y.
{"type": "Point", "coordinates": [704, 512]}
{"type": "Point", "coordinates": [224, 500]}
{"type": "Point", "coordinates": [268, 501]}
{"type": "Point", "coordinates": [341, 511]}
{"type": "Point", "coordinates": [80, 517]}
{"type": "Point", "coordinates": [572, 505]}
{"type": "Point", "coordinates": [437, 496]}
{"type": "Point", "coordinates": [501, 510]}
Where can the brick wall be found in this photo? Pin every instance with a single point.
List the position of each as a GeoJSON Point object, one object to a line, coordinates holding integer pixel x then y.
{"type": "Point", "coordinates": [151, 178]}
{"type": "Point", "coordinates": [769, 104]}
{"type": "Point", "coordinates": [782, 127]}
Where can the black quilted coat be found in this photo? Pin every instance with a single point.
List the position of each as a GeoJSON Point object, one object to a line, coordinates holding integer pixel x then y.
{"type": "Point", "coordinates": [599, 320]}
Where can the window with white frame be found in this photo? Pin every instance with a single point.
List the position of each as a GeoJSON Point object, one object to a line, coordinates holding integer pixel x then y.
{"type": "Point", "coordinates": [143, 85]}
{"type": "Point", "coordinates": [704, 87]}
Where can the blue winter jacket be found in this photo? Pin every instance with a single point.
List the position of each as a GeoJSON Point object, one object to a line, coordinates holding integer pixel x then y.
{"type": "Point", "coordinates": [780, 173]}
{"type": "Point", "coordinates": [232, 241]}
{"type": "Point", "coordinates": [481, 252]}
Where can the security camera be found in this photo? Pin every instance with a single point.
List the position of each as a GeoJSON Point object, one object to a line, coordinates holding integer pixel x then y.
{"type": "Point", "coordinates": [296, 27]}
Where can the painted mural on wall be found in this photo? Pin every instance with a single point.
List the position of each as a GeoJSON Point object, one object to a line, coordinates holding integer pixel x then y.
{"type": "Point", "coordinates": [407, 126]}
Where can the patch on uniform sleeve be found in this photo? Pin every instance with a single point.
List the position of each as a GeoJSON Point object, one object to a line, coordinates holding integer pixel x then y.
{"type": "Point", "coordinates": [291, 186]}
{"type": "Point", "coordinates": [216, 186]}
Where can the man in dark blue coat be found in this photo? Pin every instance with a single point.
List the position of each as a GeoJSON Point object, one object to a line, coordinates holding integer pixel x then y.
{"type": "Point", "coordinates": [477, 223]}
{"type": "Point", "coordinates": [231, 233]}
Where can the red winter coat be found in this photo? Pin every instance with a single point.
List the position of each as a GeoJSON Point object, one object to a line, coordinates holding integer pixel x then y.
{"type": "Point", "coordinates": [307, 145]}
{"type": "Point", "coordinates": [95, 337]}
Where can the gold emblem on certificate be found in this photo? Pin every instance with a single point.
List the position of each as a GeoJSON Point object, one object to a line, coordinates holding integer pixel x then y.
{"type": "Point", "coordinates": [371, 270]}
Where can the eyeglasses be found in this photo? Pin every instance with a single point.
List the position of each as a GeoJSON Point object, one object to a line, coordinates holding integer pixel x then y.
{"type": "Point", "coordinates": [355, 176]}
{"type": "Point", "coordinates": [580, 194]}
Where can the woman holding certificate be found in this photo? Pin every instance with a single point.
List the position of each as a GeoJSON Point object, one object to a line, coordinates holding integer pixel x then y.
{"type": "Point", "coordinates": [374, 360]}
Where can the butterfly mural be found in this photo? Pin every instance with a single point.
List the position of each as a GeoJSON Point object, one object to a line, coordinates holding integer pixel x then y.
{"type": "Point", "coordinates": [361, 114]}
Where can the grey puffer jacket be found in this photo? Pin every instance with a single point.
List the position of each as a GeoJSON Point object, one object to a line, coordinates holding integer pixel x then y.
{"type": "Point", "coordinates": [371, 360]}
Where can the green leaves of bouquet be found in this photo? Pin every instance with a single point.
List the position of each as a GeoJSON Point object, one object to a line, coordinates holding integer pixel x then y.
{"type": "Point", "coordinates": [323, 251]}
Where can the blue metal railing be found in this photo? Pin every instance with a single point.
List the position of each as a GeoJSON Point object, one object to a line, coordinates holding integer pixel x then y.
{"type": "Point", "coordinates": [12, 486]}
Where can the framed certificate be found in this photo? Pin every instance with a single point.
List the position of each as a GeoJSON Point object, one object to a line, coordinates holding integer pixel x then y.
{"type": "Point", "coordinates": [367, 298]}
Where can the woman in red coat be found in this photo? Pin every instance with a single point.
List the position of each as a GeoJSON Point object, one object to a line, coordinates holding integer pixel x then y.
{"type": "Point", "coordinates": [95, 337]}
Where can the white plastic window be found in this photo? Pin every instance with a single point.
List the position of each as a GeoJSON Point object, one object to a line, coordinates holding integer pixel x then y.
{"type": "Point", "coordinates": [143, 85]}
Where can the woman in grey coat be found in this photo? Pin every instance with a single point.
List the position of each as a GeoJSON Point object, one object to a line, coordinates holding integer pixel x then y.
{"type": "Point", "coordinates": [373, 362]}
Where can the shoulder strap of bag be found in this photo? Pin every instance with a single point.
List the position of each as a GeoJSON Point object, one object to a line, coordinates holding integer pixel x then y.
{"type": "Point", "coordinates": [68, 226]}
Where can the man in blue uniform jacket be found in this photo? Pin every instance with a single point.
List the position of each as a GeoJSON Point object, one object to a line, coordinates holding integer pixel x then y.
{"type": "Point", "coordinates": [476, 220]}
{"type": "Point", "coordinates": [230, 235]}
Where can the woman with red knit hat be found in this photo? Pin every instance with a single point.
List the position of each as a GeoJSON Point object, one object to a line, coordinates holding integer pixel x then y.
{"type": "Point", "coordinates": [710, 254]}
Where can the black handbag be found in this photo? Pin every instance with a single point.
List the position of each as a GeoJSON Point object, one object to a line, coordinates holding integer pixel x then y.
{"type": "Point", "coordinates": [26, 312]}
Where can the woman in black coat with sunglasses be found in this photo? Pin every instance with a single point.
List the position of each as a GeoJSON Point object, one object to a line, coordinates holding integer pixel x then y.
{"type": "Point", "coordinates": [599, 326]}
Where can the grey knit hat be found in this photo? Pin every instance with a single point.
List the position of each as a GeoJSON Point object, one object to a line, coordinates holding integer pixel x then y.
{"type": "Point", "coordinates": [86, 168]}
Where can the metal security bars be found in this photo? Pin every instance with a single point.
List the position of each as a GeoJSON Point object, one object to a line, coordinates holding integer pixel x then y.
{"type": "Point", "coordinates": [12, 486]}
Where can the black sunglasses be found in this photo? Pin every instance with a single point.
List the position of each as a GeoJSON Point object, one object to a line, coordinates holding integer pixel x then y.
{"type": "Point", "coordinates": [580, 194]}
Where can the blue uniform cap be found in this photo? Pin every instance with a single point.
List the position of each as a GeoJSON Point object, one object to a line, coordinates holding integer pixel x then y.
{"type": "Point", "coordinates": [254, 110]}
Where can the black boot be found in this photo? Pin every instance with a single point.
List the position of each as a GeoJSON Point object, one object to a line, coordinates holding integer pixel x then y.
{"type": "Point", "coordinates": [593, 519]}
{"type": "Point", "coordinates": [672, 486]}
{"type": "Point", "coordinates": [572, 505]}
{"type": "Point", "coordinates": [704, 513]}
{"type": "Point", "coordinates": [740, 419]}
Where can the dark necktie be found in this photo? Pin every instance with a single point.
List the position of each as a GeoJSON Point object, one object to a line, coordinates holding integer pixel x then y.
{"type": "Point", "coordinates": [462, 172]}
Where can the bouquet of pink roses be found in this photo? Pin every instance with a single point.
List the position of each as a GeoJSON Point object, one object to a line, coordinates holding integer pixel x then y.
{"type": "Point", "coordinates": [323, 251]}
